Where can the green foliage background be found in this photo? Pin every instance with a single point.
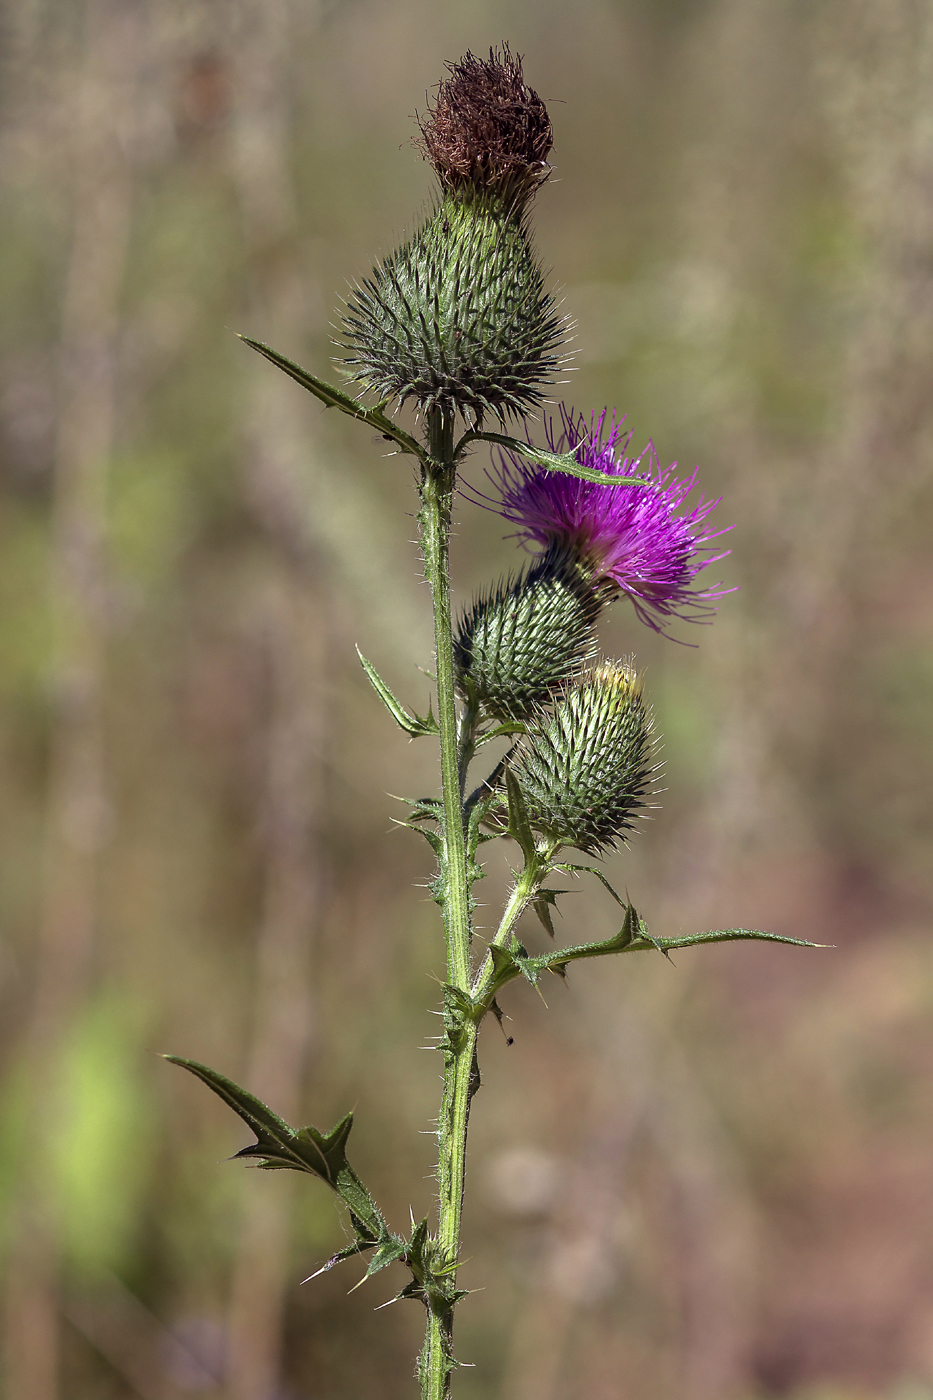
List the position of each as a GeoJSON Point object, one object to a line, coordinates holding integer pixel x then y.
{"type": "Point", "coordinates": [695, 1182]}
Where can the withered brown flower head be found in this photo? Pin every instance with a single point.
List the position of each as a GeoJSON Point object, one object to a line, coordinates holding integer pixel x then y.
{"type": "Point", "coordinates": [488, 130]}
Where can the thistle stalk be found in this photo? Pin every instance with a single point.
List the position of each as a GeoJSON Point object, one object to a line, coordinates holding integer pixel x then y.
{"type": "Point", "coordinates": [437, 487]}
{"type": "Point", "coordinates": [459, 321]}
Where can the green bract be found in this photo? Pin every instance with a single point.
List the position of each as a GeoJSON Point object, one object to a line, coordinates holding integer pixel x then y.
{"type": "Point", "coordinates": [527, 637]}
{"type": "Point", "coordinates": [458, 319]}
{"type": "Point", "coordinates": [586, 770]}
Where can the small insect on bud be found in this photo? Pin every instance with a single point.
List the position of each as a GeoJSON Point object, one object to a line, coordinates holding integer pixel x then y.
{"type": "Point", "coordinates": [458, 318]}
{"type": "Point", "coordinates": [586, 771]}
{"type": "Point", "coordinates": [526, 638]}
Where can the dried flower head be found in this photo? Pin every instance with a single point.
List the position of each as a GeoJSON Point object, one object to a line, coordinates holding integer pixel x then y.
{"type": "Point", "coordinates": [629, 538]}
{"type": "Point", "coordinates": [488, 129]}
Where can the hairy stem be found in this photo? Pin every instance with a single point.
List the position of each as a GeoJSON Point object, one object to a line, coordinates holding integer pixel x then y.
{"type": "Point", "coordinates": [526, 887]}
{"type": "Point", "coordinates": [460, 1076]}
{"type": "Point", "coordinates": [437, 487]}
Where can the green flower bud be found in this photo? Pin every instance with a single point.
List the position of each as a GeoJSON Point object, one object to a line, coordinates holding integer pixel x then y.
{"type": "Point", "coordinates": [586, 772]}
{"type": "Point", "coordinates": [521, 642]}
{"type": "Point", "coordinates": [458, 318]}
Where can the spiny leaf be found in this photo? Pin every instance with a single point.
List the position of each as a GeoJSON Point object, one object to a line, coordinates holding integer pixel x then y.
{"type": "Point", "coordinates": [504, 967]}
{"type": "Point", "coordinates": [551, 461]}
{"type": "Point", "coordinates": [425, 808]}
{"type": "Point", "coordinates": [390, 1250]}
{"type": "Point", "coordinates": [332, 397]}
{"type": "Point", "coordinates": [557, 961]}
{"type": "Point", "coordinates": [477, 814]}
{"type": "Point", "coordinates": [459, 1008]}
{"type": "Point", "coordinates": [519, 825]}
{"type": "Point", "coordinates": [415, 725]}
{"type": "Point", "coordinates": [591, 870]}
{"type": "Point", "coordinates": [728, 935]}
{"type": "Point", "coordinates": [633, 937]}
{"type": "Point", "coordinates": [415, 1252]}
{"type": "Point", "coordinates": [348, 1252]}
{"type": "Point", "coordinates": [281, 1147]}
{"type": "Point", "coordinates": [512, 726]}
{"type": "Point", "coordinates": [434, 838]}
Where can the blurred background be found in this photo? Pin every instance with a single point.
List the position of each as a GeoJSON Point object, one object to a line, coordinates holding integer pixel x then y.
{"type": "Point", "coordinates": [706, 1181]}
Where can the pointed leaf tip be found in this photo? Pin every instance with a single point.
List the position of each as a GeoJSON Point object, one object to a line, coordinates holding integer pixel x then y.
{"type": "Point", "coordinates": [414, 725]}
{"type": "Point", "coordinates": [551, 461]}
{"type": "Point", "coordinates": [519, 825]}
{"type": "Point", "coordinates": [278, 1146]}
{"type": "Point", "coordinates": [333, 397]}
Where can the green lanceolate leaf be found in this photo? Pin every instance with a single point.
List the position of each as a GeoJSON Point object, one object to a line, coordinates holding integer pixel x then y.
{"type": "Point", "coordinates": [633, 937]}
{"type": "Point", "coordinates": [434, 838]}
{"type": "Point", "coordinates": [415, 725]}
{"type": "Point", "coordinates": [388, 1252]}
{"type": "Point", "coordinates": [416, 1252]}
{"type": "Point", "coordinates": [332, 397]}
{"type": "Point", "coordinates": [519, 825]}
{"type": "Point", "coordinates": [726, 935]}
{"type": "Point", "coordinates": [506, 966]}
{"type": "Point", "coordinates": [281, 1147]}
{"type": "Point", "coordinates": [551, 461]}
{"type": "Point", "coordinates": [543, 903]}
{"type": "Point", "coordinates": [591, 870]}
{"type": "Point", "coordinates": [633, 930]}
{"type": "Point", "coordinates": [511, 726]}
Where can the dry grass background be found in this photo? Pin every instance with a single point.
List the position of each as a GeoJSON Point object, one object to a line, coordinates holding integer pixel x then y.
{"type": "Point", "coordinates": [706, 1182]}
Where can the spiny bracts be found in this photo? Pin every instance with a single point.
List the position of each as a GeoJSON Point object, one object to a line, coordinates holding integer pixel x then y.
{"type": "Point", "coordinates": [586, 770]}
{"type": "Point", "coordinates": [527, 637]}
{"type": "Point", "coordinates": [459, 318]}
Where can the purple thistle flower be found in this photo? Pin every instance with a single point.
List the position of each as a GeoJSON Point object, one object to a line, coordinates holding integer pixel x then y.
{"type": "Point", "coordinates": [627, 537]}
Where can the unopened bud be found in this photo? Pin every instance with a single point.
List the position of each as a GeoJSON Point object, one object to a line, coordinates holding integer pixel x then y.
{"type": "Point", "coordinates": [586, 771]}
{"type": "Point", "coordinates": [526, 638]}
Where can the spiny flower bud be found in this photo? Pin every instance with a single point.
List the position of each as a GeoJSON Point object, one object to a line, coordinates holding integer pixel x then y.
{"type": "Point", "coordinates": [527, 637]}
{"type": "Point", "coordinates": [586, 771]}
{"type": "Point", "coordinates": [458, 318]}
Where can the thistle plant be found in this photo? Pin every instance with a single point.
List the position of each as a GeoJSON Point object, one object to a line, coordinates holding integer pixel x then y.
{"type": "Point", "coordinates": [459, 321]}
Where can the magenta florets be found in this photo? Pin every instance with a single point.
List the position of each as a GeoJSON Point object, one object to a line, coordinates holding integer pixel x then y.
{"type": "Point", "coordinates": [629, 537]}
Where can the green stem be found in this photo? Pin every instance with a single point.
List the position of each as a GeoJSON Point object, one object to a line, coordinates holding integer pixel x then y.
{"type": "Point", "coordinates": [526, 887]}
{"type": "Point", "coordinates": [437, 488]}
